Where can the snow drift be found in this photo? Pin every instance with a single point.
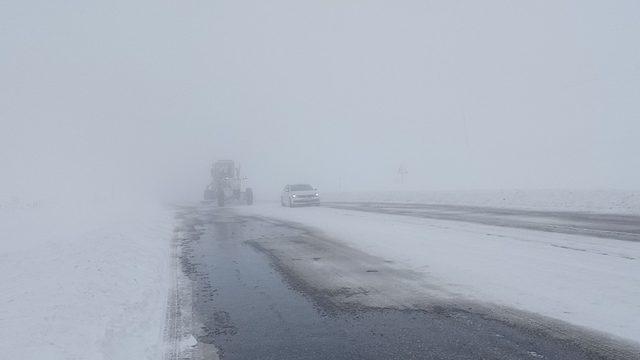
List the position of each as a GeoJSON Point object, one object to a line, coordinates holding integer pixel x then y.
{"type": "Point", "coordinates": [83, 282]}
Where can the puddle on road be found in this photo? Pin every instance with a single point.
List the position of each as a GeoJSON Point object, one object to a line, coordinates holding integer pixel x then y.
{"type": "Point", "coordinates": [249, 311]}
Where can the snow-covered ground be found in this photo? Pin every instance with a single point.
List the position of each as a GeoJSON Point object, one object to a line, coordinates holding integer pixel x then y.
{"type": "Point", "coordinates": [83, 282]}
{"type": "Point", "coordinates": [599, 201]}
{"type": "Point", "coordinates": [590, 282]}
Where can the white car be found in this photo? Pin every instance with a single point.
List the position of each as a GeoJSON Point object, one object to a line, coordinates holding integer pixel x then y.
{"type": "Point", "coordinates": [299, 194]}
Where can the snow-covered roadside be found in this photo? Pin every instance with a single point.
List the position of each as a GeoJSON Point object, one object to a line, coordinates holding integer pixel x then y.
{"type": "Point", "coordinates": [599, 201]}
{"type": "Point", "coordinates": [585, 281]}
{"type": "Point", "coordinates": [84, 282]}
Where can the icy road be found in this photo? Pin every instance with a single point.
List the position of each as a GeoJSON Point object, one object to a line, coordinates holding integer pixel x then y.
{"type": "Point", "coordinates": [339, 283]}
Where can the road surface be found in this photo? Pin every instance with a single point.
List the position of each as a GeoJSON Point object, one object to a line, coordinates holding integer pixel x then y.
{"type": "Point", "coordinates": [610, 226]}
{"type": "Point", "coordinates": [259, 288]}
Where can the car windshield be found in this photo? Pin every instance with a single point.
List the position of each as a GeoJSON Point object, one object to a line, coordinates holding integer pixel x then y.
{"type": "Point", "coordinates": [301, 187]}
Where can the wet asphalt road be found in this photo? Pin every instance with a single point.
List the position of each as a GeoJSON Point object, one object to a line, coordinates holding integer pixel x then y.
{"type": "Point", "coordinates": [611, 226]}
{"type": "Point", "coordinates": [250, 306]}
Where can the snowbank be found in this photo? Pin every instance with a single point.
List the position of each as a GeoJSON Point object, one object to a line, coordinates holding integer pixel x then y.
{"type": "Point", "coordinates": [599, 201]}
{"type": "Point", "coordinates": [589, 282]}
{"type": "Point", "coordinates": [83, 282]}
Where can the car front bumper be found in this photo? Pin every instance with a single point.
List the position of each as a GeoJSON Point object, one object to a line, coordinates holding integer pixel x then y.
{"type": "Point", "coordinates": [305, 201]}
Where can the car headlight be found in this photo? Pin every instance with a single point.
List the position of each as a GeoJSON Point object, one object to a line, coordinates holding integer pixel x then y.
{"type": "Point", "coordinates": [294, 195]}
{"type": "Point", "coordinates": [317, 194]}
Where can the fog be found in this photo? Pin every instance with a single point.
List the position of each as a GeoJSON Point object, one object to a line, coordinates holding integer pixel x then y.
{"type": "Point", "coordinates": [124, 98]}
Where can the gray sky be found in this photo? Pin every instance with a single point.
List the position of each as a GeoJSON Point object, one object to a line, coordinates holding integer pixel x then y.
{"type": "Point", "coordinates": [140, 96]}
